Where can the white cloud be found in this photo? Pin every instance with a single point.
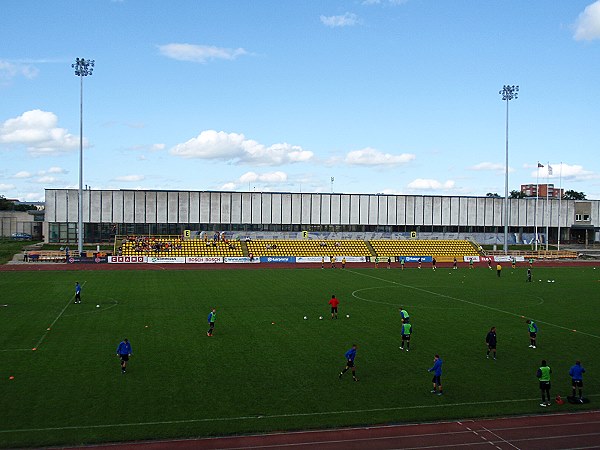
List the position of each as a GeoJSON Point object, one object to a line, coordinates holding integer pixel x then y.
{"type": "Point", "coordinates": [46, 179]}
{"type": "Point", "coordinates": [587, 25]}
{"type": "Point", "coordinates": [372, 157]}
{"type": "Point", "coordinates": [272, 177]}
{"type": "Point", "coordinates": [567, 172]}
{"type": "Point", "coordinates": [10, 70]}
{"type": "Point", "coordinates": [424, 184]}
{"type": "Point", "coordinates": [345, 20]}
{"type": "Point", "coordinates": [38, 131]}
{"type": "Point", "coordinates": [56, 169]}
{"type": "Point", "coordinates": [199, 53]}
{"type": "Point", "coordinates": [234, 147]}
{"type": "Point", "coordinates": [6, 187]}
{"type": "Point", "coordinates": [129, 178]}
{"type": "Point", "coordinates": [22, 174]}
{"type": "Point", "coordinates": [496, 167]}
{"type": "Point", "coordinates": [229, 187]}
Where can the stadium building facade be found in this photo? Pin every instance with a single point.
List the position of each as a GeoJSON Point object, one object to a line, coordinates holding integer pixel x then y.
{"type": "Point", "coordinates": [107, 213]}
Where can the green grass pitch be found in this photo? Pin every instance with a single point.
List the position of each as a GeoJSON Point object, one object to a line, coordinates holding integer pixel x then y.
{"type": "Point", "coordinates": [266, 368]}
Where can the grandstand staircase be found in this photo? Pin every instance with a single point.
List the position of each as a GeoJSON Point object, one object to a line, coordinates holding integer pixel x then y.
{"type": "Point", "coordinates": [244, 246]}
{"type": "Point", "coordinates": [371, 249]}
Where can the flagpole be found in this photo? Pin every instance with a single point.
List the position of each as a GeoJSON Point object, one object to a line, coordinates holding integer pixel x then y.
{"type": "Point", "coordinates": [547, 203]}
{"type": "Point", "coordinates": [537, 196]}
{"type": "Point", "coordinates": [559, 204]}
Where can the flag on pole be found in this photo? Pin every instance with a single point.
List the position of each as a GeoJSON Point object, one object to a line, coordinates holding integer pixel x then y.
{"type": "Point", "coordinates": [540, 165]}
{"type": "Point", "coordinates": [549, 169]}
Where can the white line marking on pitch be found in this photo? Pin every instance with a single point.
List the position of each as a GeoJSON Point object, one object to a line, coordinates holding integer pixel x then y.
{"type": "Point", "coordinates": [467, 301]}
{"type": "Point", "coordinates": [273, 416]}
{"type": "Point", "coordinates": [37, 346]}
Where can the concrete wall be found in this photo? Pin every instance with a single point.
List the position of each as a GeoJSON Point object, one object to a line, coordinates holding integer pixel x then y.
{"type": "Point", "coordinates": [125, 206]}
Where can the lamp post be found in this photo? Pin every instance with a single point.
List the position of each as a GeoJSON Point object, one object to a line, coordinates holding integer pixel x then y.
{"type": "Point", "coordinates": [83, 68]}
{"type": "Point", "coordinates": [508, 93]}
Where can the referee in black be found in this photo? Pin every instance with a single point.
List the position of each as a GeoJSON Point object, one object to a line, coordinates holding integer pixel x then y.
{"type": "Point", "coordinates": [491, 341]}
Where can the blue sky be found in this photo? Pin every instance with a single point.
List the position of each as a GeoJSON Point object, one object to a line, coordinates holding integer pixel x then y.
{"type": "Point", "coordinates": [385, 96]}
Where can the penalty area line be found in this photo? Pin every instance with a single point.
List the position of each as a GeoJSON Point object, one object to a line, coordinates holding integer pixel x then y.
{"type": "Point", "coordinates": [272, 416]}
{"type": "Point", "coordinates": [37, 346]}
{"type": "Point", "coordinates": [469, 302]}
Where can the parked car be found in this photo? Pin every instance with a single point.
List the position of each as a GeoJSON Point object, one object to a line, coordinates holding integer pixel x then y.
{"type": "Point", "coordinates": [22, 236]}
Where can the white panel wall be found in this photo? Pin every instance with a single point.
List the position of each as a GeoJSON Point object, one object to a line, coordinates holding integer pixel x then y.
{"type": "Point", "coordinates": [225, 213]}
{"type": "Point", "coordinates": [401, 210]}
{"type": "Point", "coordinates": [194, 207]}
{"type": "Point", "coordinates": [306, 207]}
{"type": "Point", "coordinates": [107, 206]}
{"type": "Point", "coordinates": [246, 207]}
{"type": "Point", "coordinates": [236, 207]}
{"type": "Point", "coordinates": [151, 207]}
{"type": "Point", "coordinates": [86, 195]}
{"type": "Point", "coordinates": [266, 208]}
{"type": "Point", "coordinates": [128, 204]}
{"type": "Point", "coordinates": [335, 209]}
{"type": "Point", "coordinates": [315, 209]}
{"type": "Point", "coordinates": [489, 212]}
{"type": "Point", "coordinates": [363, 214]}
{"type": "Point", "coordinates": [117, 213]}
{"type": "Point", "coordinates": [61, 206]}
{"type": "Point", "coordinates": [215, 207]}
{"type": "Point", "coordinates": [205, 207]}
{"type": "Point", "coordinates": [354, 209]}
{"type": "Point", "coordinates": [373, 205]}
{"type": "Point", "coordinates": [391, 210]}
{"type": "Point", "coordinates": [326, 209]}
{"type": "Point", "coordinates": [382, 213]}
{"type": "Point", "coordinates": [296, 208]}
{"type": "Point", "coordinates": [427, 210]}
{"type": "Point", "coordinates": [172, 207]}
{"type": "Point", "coordinates": [286, 208]}
{"type": "Point", "coordinates": [513, 212]}
{"type": "Point", "coordinates": [480, 208]}
{"type": "Point", "coordinates": [446, 206]}
{"type": "Point", "coordinates": [410, 210]}
{"type": "Point", "coordinates": [276, 200]}
{"type": "Point", "coordinates": [95, 206]}
{"type": "Point", "coordinates": [184, 207]}
{"type": "Point", "coordinates": [140, 206]}
{"type": "Point", "coordinates": [345, 209]}
{"type": "Point", "coordinates": [463, 206]}
{"type": "Point", "coordinates": [256, 207]}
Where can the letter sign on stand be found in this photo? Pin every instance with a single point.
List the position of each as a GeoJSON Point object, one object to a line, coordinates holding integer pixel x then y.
{"type": "Point", "coordinates": [413, 234]}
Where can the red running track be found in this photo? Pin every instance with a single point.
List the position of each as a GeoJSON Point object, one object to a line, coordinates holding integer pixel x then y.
{"type": "Point", "coordinates": [547, 432]}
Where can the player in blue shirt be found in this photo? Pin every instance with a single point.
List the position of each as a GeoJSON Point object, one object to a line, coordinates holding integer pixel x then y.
{"type": "Point", "coordinates": [350, 355]}
{"type": "Point", "coordinates": [576, 373]}
{"type": "Point", "coordinates": [124, 352]}
{"type": "Point", "coordinates": [77, 292]}
{"type": "Point", "coordinates": [437, 375]}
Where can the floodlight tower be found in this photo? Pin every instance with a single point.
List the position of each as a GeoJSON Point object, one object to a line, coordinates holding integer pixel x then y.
{"type": "Point", "coordinates": [83, 68]}
{"type": "Point", "coordinates": [508, 93]}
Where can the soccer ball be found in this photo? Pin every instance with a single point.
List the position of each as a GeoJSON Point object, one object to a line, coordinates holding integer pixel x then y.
{"type": "Point", "coordinates": [320, 317]}
{"type": "Point", "coordinates": [97, 306]}
{"type": "Point", "coordinates": [347, 316]}
{"type": "Point", "coordinates": [305, 317]}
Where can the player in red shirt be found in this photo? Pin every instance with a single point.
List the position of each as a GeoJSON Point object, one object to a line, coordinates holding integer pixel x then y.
{"type": "Point", "coordinates": [334, 302]}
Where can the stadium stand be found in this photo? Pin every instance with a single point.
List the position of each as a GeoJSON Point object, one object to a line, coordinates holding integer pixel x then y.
{"type": "Point", "coordinates": [175, 246]}
{"type": "Point", "coordinates": [308, 248]}
{"type": "Point", "coordinates": [443, 248]}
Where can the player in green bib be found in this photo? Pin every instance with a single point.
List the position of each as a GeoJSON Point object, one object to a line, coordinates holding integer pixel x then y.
{"type": "Point", "coordinates": [543, 375]}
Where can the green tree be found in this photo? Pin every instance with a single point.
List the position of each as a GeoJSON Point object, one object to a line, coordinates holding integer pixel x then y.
{"type": "Point", "coordinates": [517, 194]}
{"type": "Point", "coordinates": [489, 194]}
{"type": "Point", "coordinates": [573, 195]}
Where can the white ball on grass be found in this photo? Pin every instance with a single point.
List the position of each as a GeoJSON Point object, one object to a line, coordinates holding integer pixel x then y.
{"type": "Point", "coordinates": [305, 317]}
{"type": "Point", "coordinates": [320, 317]}
{"type": "Point", "coordinates": [97, 306]}
{"type": "Point", "coordinates": [347, 316]}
